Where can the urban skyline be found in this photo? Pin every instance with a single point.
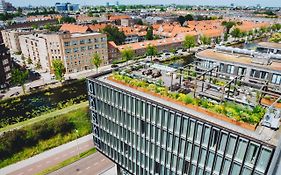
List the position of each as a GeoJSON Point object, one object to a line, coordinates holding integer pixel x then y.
{"type": "Point", "coordinates": [271, 3]}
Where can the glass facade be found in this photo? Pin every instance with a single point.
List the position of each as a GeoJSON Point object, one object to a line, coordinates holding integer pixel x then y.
{"type": "Point", "coordinates": [145, 137]}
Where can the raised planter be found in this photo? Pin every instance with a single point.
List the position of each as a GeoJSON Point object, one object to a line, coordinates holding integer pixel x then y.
{"type": "Point", "coordinates": [196, 108]}
{"type": "Point", "coordinates": [270, 102]}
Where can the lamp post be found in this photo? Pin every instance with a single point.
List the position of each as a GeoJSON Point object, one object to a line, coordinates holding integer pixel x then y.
{"type": "Point", "coordinates": [77, 146]}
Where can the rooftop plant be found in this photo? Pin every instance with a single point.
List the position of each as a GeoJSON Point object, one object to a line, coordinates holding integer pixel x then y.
{"type": "Point", "coordinates": [230, 109]}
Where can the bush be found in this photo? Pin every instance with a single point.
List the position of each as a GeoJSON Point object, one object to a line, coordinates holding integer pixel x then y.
{"type": "Point", "coordinates": [14, 141]}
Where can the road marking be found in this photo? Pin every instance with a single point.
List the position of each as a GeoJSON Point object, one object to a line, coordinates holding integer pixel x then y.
{"type": "Point", "coordinates": [79, 172]}
{"type": "Point", "coordinates": [103, 160]}
{"type": "Point", "coordinates": [95, 164]}
{"type": "Point", "coordinates": [88, 168]}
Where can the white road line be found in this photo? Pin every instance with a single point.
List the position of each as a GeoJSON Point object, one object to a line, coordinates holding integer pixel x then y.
{"type": "Point", "coordinates": [88, 168]}
{"type": "Point", "coordinates": [95, 164]}
{"type": "Point", "coordinates": [103, 160]}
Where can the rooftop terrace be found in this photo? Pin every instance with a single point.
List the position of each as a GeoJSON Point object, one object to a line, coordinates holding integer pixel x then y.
{"type": "Point", "coordinates": [206, 94]}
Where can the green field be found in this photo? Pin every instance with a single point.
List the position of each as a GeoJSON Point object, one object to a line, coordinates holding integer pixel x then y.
{"type": "Point", "coordinates": [77, 119]}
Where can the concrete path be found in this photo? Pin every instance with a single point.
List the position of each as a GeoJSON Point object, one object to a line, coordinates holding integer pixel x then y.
{"type": "Point", "coordinates": [49, 158]}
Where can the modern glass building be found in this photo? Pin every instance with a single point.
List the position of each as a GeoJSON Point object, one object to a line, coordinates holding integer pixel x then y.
{"type": "Point", "coordinates": [147, 135]}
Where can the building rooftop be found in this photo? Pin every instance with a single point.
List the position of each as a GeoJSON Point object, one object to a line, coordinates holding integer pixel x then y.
{"type": "Point", "coordinates": [270, 45]}
{"type": "Point", "coordinates": [73, 35]}
{"type": "Point", "coordinates": [245, 60]}
{"type": "Point", "coordinates": [261, 133]}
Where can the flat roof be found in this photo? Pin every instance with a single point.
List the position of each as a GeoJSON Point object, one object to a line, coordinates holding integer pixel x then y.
{"type": "Point", "coordinates": [270, 45]}
{"type": "Point", "coordinates": [73, 35]}
{"type": "Point", "coordinates": [236, 58]}
{"type": "Point", "coordinates": [262, 134]}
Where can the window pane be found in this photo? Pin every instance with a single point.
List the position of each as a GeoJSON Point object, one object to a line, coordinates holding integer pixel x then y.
{"type": "Point", "coordinates": [263, 159]}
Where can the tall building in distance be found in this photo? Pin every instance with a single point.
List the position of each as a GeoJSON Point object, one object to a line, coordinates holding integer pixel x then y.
{"type": "Point", "coordinates": [140, 123]}
{"type": "Point", "coordinates": [5, 66]}
{"type": "Point", "coordinates": [65, 7]}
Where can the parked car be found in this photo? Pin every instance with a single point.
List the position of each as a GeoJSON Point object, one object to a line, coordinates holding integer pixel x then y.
{"type": "Point", "coordinates": [147, 72]}
{"type": "Point", "coordinates": [114, 66]}
{"type": "Point", "coordinates": [156, 74]}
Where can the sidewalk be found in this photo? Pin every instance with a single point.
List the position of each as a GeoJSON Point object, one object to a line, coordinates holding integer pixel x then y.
{"type": "Point", "coordinates": [49, 158]}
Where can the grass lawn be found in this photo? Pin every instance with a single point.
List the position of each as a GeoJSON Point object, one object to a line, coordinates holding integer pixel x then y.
{"type": "Point", "coordinates": [79, 117]}
{"type": "Point", "coordinates": [44, 116]}
{"type": "Point", "coordinates": [68, 162]}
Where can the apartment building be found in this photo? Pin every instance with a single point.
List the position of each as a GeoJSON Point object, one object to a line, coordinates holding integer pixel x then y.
{"type": "Point", "coordinates": [34, 47]}
{"type": "Point", "coordinates": [256, 67]}
{"type": "Point", "coordinates": [148, 134]}
{"type": "Point", "coordinates": [75, 49]}
{"type": "Point", "coordinates": [78, 49]}
{"type": "Point", "coordinates": [5, 66]}
{"type": "Point", "coordinates": [11, 37]}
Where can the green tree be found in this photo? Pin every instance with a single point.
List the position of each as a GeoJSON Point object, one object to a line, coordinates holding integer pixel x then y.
{"type": "Point", "coordinates": [29, 61]}
{"type": "Point", "coordinates": [59, 69]}
{"type": "Point", "coordinates": [276, 27]}
{"type": "Point", "coordinates": [139, 22]}
{"type": "Point", "coordinates": [189, 42]}
{"type": "Point", "coordinates": [113, 34]}
{"type": "Point", "coordinates": [151, 51]}
{"type": "Point", "coordinates": [205, 40]}
{"type": "Point", "coordinates": [67, 19]}
{"type": "Point", "coordinates": [96, 61]}
{"type": "Point", "coordinates": [189, 17]}
{"type": "Point", "coordinates": [275, 38]}
{"type": "Point", "coordinates": [127, 54]}
{"type": "Point", "coordinates": [38, 65]}
{"type": "Point", "coordinates": [181, 20]}
{"type": "Point", "coordinates": [19, 78]}
{"type": "Point", "coordinates": [228, 25]}
{"type": "Point", "coordinates": [236, 33]}
{"type": "Point", "coordinates": [149, 34]}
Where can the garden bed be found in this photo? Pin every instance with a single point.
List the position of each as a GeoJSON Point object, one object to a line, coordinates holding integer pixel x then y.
{"type": "Point", "coordinates": [270, 102]}
{"type": "Point", "coordinates": [226, 112]}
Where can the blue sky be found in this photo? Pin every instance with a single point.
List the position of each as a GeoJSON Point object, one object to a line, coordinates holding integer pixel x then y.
{"type": "Point", "coordinates": [274, 3]}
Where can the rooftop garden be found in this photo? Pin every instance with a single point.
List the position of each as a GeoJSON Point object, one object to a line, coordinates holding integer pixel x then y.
{"type": "Point", "coordinates": [235, 111]}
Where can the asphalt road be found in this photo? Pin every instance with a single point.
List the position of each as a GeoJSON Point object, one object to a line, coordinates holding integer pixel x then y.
{"type": "Point", "coordinates": [91, 165]}
{"type": "Point", "coordinates": [53, 160]}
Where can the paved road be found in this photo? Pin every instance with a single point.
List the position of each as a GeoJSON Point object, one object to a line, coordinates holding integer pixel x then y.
{"type": "Point", "coordinates": [49, 158]}
{"type": "Point", "coordinates": [92, 165]}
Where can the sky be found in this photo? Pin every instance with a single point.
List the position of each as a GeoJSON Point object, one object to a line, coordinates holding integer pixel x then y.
{"type": "Point", "coordinates": [268, 3]}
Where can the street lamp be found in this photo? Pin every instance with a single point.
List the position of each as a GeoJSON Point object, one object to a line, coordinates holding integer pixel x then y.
{"type": "Point", "coordinates": [77, 146]}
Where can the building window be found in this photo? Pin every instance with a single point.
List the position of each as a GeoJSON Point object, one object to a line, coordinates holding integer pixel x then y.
{"type": "Point", "coordinates": [276, 79]}
{"type": "Point", "coordinates": [252, 154]}
{"type": "Point", "coordinates": [66, 44]}
{"type": "Point", "coordinates": [82, 41]}
{"type": "Point", "coordinates": [241, 71]}
{"type": "Point", "coordinates": [157, 168]}
{"type": "Point", "coordinates": [230, 69]}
